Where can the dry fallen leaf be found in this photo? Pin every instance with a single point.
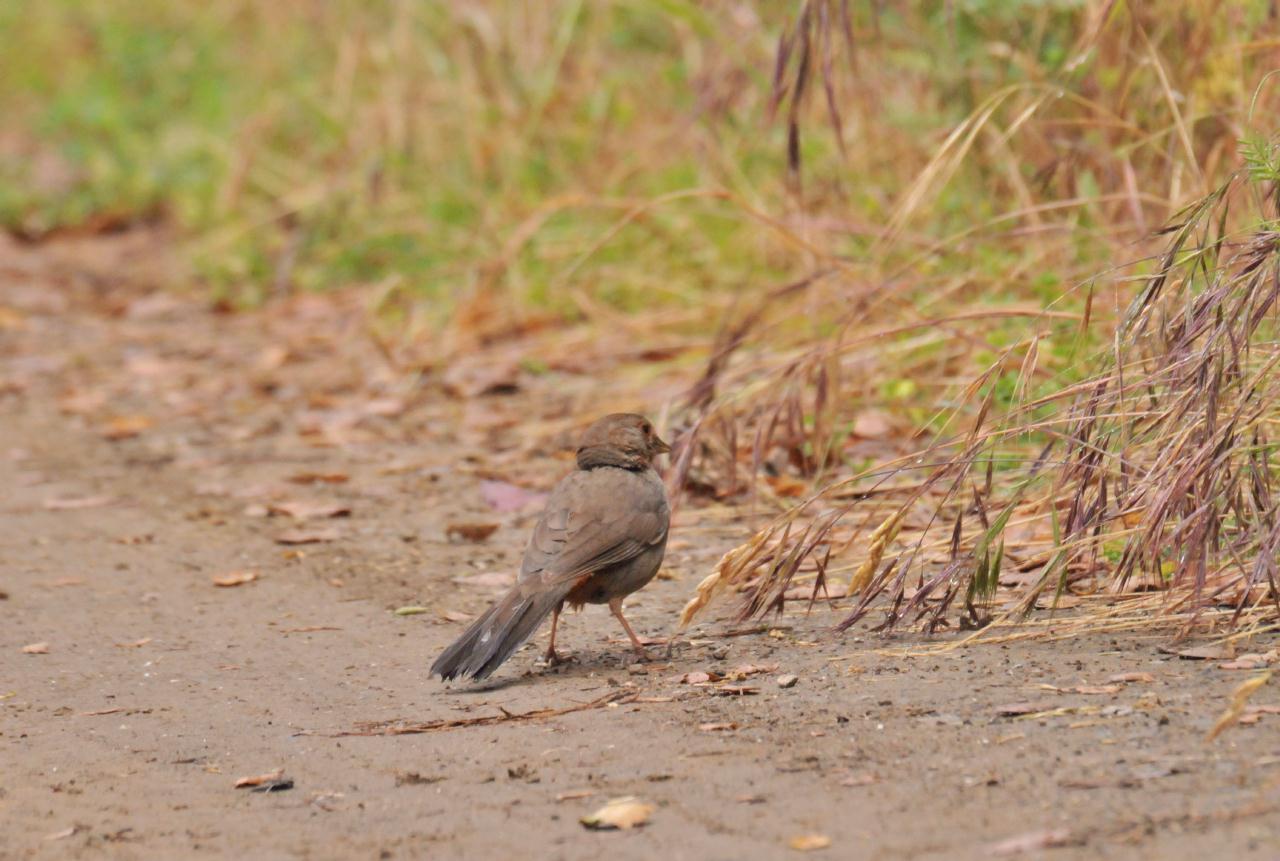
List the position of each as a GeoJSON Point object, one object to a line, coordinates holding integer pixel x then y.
{"type": "Point", "coordinates": [1201, 653]}
{"type": "Point", "coordinates": [1251, 661]}
{"type": "Point", "coordinates": [725, 726]}
{"type": "Point", "coordinates": [456, 616]}
{"type": "Point", "coordinates": [64, 833]}
{"type": "Point", "coordinates": [574, 794]}
{"type": "Point", "coordinates": [319, 478]}
{"type": "Point", "coordinates": [469, 379]}
{"type": "Point", "coordinates": [1085, 689]}
{"type": "Point", "coordinates": [384, 407]}
{"type": "Point", "coordinates": [75, 503]}
{"type": "Point", "coordinates": [741, 671]}
{"type": "Point", "coordinates": [272, 357]}
{"type": "Point", "coordinates": [734, 691]}
{"type": "Point", "coordinates": [1145, 678]}
{"type": "Point", "coordinates": [1253, 714]}
{"type": "Point", "coordinates": [260, 779]}
{"type": "Point", "coordinates": [865, 779]}
{"type": "Point", "coordinates": [470, 531]}
{"type": "Point", "coordinates": [786, 486]}
{"type": "Point", "coordinates": [406, 467]}
{"type": "Point", "coordinates": [36, 649]}
{"type": "Point", "coordinates": [626, 812]}
{"type": "Point", "coordinates": [504, 496]}
{"type": "Point", "coordinates": [310, 509]}
{"type": "Point", "coordinates": [1032, 841]}
{"type": "Point", "coordinates": [809, 842]}
{"type": "Point", "coordinates": [307, 536]}
{"type": "Point", "coordinates": [700, 677]}
{"type": "Point", "coordinates": [1097, 689]}
{"type": "Point", "coordinates": [411, 611]}
{"type": "Point", "coordinates": [235, 578]}
{"type": "Point", "coordinates": [124, 427]}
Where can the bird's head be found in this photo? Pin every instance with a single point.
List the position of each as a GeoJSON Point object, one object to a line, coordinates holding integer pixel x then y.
{"type": "Point", "coordinates": [625, 440]}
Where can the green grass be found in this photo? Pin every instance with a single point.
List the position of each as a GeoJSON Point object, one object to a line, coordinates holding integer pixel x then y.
{"type": "Point", "coordinates": [383, 140]}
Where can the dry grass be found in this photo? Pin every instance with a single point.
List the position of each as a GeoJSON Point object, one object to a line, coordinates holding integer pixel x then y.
{"type": "Point", "coordinates": [1116, 439]}
{"type": "Point", "coordinates": [1152, 473]}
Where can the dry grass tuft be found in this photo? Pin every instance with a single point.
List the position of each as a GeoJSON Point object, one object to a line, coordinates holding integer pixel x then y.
{"type": "Point", "coordinates": [1154, 473]}
{"type": "Point", "coordinates": [971, 459]}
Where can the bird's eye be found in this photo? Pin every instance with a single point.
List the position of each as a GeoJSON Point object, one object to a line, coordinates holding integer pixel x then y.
{"type": "Point", "coordinates": [647, 428]}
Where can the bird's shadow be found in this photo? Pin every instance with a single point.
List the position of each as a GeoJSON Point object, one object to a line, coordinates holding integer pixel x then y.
{"type": "Point", "coordinates": [594, 664]}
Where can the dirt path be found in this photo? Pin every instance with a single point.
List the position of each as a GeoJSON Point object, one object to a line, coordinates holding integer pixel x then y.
{"type": "Point", "coordinates": [145, 443]}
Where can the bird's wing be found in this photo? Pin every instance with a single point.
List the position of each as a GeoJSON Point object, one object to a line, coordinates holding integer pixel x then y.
{"type": "Point", "coordinates": [593, 519]}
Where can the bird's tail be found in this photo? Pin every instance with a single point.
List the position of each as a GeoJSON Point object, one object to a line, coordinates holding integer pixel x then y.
{"type": "Point", "coordinates": [494, 636]}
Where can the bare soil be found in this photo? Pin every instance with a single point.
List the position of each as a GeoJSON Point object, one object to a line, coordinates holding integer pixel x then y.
{"type": "Point", "coordinates": [149, 444]}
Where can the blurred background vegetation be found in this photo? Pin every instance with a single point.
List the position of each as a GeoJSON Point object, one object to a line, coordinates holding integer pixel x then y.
{"type": "Point", "coordinates": [956, 166]}
{"type": "Point", "coordinates": [565, 153]}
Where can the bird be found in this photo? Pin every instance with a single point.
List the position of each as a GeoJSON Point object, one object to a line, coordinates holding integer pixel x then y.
{"type": "Point", "coordinates": [601, 537]}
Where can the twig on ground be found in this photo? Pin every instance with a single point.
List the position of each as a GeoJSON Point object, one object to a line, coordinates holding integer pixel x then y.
{"type": "Point", "coordinates": [397, 728]}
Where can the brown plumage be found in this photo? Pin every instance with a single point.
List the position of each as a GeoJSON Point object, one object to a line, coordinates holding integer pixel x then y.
{"type": "Point", "coordinates": [601, 537]}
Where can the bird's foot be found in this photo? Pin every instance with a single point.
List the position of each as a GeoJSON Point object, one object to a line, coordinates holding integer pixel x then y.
{"type": "Point", "coordinates": [643, 655]}
{"type": "Point", "coordinates": [552, 658]}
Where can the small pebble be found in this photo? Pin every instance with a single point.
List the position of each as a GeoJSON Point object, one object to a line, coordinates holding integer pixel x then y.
{"type": "Point", "coordinates": [787, 681]}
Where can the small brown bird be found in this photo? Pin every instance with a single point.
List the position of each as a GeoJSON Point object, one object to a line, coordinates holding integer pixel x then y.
{"type": "Point", "coordinates": [601, 537]}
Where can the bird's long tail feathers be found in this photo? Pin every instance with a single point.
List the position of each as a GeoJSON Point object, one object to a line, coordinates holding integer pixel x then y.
{"type": "Point", "coordinates": [494, 636]}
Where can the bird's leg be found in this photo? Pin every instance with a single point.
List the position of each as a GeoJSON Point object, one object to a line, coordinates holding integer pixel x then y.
{"type": "Point", "coordinates": [615, 607]}
{"type": "Point", "coordinates": [551, 657]}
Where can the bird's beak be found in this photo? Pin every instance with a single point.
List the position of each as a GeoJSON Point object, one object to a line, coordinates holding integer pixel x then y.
{"type": "Point", "coordinates": [660, 447]}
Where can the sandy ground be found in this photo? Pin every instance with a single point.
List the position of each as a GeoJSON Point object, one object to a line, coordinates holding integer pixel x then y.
{"type": "Point", "coordinates": [149, 445]}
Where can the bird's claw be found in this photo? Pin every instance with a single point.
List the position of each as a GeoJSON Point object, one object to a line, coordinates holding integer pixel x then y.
{"type": "Point", "coordinates": [552, 658]}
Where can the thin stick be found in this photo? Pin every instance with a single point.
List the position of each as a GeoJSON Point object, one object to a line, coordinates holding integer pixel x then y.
{"type": "Point", "coordinates": [371, 729]}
